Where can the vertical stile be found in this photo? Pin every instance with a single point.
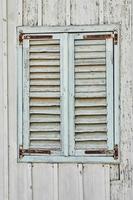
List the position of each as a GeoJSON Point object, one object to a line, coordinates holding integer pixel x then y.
{"type": "Point", "coordinates": [71, 95]}
{"type": "Point", "coordinates": [61, 92]}
{"type": "Point", "coordinates": [110, 93]}
{"type": "Point", "coordinates": [26, 93]}
{"type": "Point", "coordinates": [116, 92]}
{"type": "Point", "coordinates": [20, 95]}
{"type": "Point", "coordinates": [64, 91]}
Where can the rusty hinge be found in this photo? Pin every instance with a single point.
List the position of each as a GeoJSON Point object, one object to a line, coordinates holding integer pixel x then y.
{"type": "Point", "coordinates": [113, 152]}
{"type": "Point", "coordinates": [23, 36]}
{"type": "Point", "coordinates": [113, 35]}
{"type": "Point", "coordinates": [115, 38]}
{"type": "Point", "coordinates": [23, 152]}
{"type": "Point", "coordinates": [116, 152]}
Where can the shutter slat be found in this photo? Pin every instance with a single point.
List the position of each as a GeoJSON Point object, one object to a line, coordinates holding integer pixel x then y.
{"type": "Point", "coordinates": [44, 89]}
{"type": "Point", "coordinates": [91, 128]}
{"type": "Point", "coordinates": [44, 118]}
{"type": "Point", "coordinates": [93, 61]}
{"type": "Point", "coordinates": [45, 49]}
{"type": "Point", "coordinates": [90, 55]}
{"type": "Point", "coordinates": [43, 56]}
{"type": "Point", "coordinates": [83, 102]}
{"type": "Point", "coordinates": [90, 95]}
{"type": "Point", "coordinates": [95, 119]}
{"type": "Point", "coordinates": [45, 95]}
{"type": "Point", "coordinates": [81, 139]}
{"type": "Point", "coordinates": [44, 69]}
{"type": "Point", "coordinates": [44, 102]}
{"type": "Point", "coordinates": [84, 75]}
{"type": "Point", "coordinates": [89, 42]}
{"type": "Point", "coordinates": [45, 75]}
{"type": "Point", "coordinates": [44, 42]}
{"type": "Point", "coordinates": [99, 68]}
{"type": "Point", "coordinates": [90, 48]}
{"type": "Point", "coordinates": [44, 62]}
{"type": "Point", "coordinates": [91, 145]}
{"type": "Point", "coordinates": [45, 110]}
{"type": "Point", "coordinates": [55, 145]}
{"type": "Point", "coordinates": [45, 82]}
{"type": "Point", "coordinates": [90, 81]}
{"type": "Point", "coordinates": [80, 89]}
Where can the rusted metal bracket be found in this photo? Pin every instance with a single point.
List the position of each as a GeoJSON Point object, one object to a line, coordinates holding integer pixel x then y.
{"type": "Point", "coordinates": [115, 38]}
{"type": "Point", "coordinates": [23, 152]}
{"type": "Point", "coordinates": [113, 35]}
{"type": "Point", "coordinates": [116, 152]}
{"type": "Point", "coordinates": [23, 36]}
{"type": "Point", "coordinates": [113, 152]}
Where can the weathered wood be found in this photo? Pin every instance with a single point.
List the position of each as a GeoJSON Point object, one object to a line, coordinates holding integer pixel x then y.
{"type": "Point", "coordinates": [121, 12]}
{"type": "Point", "coordinates": [84, 12]}
{"type": "Point", "coordinates": [40, 6]}
{"type": "Point", "coordinates": [30, 12]}
{"type": "Point", "coordinates": [54, 12]}
{"type": "Point", "coordinates": [96, 182]}
{"type": "Point", "coordinates": [79, 12]}
{"type": "Point", "coordinates": [3, 103]}
{"type": "Point", "coordinates": [20, 186]}
{"type": "Point", "coordinates": [43, 181]}
{"type": "Point", "coordinates": [114, 172]}
{"type": "Point", "coordinates": [69, 186]}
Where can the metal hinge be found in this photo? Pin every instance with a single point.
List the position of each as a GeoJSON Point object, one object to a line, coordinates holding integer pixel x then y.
{"type": "Point", "coordinates": [113, 152]}
{"type": "Point", "coordinates": [116, 152]}
{"type": "Point", "coordinates": [23, 152]}
{"type": "Point", "coordinates": [115, 38]}
{"type": "Point", "coordinates": [23, 36]}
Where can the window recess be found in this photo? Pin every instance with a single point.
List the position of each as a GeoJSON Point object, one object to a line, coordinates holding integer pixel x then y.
{"type": "Point", "coordinates": [68, 87]}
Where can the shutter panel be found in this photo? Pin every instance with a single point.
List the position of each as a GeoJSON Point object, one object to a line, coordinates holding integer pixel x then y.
{"type": "Point", "coordinates": [42, 93]}
{"type": "Point", "coordinates": [91, 95]}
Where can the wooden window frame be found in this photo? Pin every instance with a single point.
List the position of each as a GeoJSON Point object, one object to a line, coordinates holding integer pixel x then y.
{"type": "Point", "coordinates": [100, 30]}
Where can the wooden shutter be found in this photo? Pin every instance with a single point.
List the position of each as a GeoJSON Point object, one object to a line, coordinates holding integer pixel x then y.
{"type": "Point", "coordinates": [42, 94]}
{"type": "Point", "coordinates": [91, 93]}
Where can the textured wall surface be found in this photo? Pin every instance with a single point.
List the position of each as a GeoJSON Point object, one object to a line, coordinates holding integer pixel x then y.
{"type": "Point", "coordinates": [63, 181]}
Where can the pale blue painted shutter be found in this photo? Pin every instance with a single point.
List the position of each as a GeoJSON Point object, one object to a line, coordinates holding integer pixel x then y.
{"type": "Point", "coordinates": [43, 95]}
{"type": "Point", "coordinates": [91, 94]}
